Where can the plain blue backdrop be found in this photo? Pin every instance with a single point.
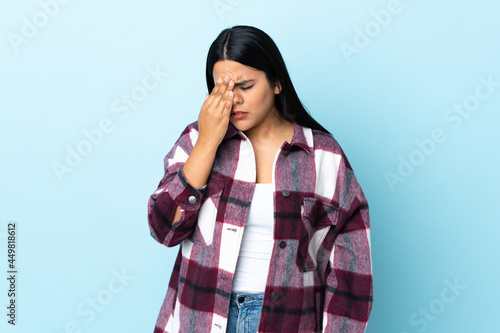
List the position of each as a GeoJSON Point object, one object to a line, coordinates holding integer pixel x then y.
{"type": "Point", "coordinates": [94, 94]}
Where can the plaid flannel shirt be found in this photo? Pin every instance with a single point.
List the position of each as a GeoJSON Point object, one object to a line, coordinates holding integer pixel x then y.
{"type": "Point", "coordinates": [320, 276]}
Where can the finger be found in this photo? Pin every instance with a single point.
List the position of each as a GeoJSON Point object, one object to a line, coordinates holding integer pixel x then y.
{"type": "Point", "coordinates": [209, 98]}
{"type": "Point", "coordinates": [228, 106]}
{"type": "Point", "coordinates": [217, 87]}
{"type": "Point", "coordinates": [230, 92]}
{"type": "Point", "coordinates": [225, 97]}
{"type": "Point", "coordinates": [222, 92]}
{"type": "Point", "coordinates": [225, 92]}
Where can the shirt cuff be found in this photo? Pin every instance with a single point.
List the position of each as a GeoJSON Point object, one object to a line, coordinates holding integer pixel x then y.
{"type": "Point", "coordinates": [186, 196]}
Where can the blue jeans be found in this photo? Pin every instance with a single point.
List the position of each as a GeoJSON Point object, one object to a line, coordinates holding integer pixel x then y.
{"type": "Point", "coordinates": [244, 313]}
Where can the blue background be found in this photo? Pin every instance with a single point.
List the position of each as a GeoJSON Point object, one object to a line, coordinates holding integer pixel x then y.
{"type": "Point", "coordinates": [433, 227]}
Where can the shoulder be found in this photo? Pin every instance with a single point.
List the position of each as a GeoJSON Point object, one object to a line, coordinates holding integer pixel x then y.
{"type": "Point", "coordinates": [327, 148]}
{"type": "Point", "coordinates": [325, 141]}
{"type": "Point", "coordinates": [190, 127]}
{"type": "Point", "coordinates": [186, 140]}
{"type": "Point", "coordinates": [189, 133]}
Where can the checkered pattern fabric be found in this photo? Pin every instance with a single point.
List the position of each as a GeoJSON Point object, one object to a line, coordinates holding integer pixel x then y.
{"type": "Point", "coordinates": [320, 276]}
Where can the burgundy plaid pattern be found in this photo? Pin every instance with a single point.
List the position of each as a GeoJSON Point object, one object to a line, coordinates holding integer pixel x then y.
{"type": "Point", "coordinates": [320, 277]}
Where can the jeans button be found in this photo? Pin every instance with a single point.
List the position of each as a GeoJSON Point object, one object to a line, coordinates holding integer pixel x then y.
{"type": "Point", "coordinates": [241, 299]}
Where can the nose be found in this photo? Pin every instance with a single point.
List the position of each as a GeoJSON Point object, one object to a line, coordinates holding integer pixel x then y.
{"type": "Point", "coordinates": [237, 97]}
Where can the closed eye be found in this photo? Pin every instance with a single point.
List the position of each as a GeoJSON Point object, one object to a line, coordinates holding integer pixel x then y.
{"type": "Point", "coordinates": [245, 88]}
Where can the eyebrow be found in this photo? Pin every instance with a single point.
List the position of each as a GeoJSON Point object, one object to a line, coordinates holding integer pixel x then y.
{"type": "Point", "coordinates": [242, 82]}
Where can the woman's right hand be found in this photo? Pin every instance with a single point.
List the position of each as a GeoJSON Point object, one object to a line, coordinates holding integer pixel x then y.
{"type": "Point", "coordinates": [215, 113]}
{"type": "Point", "coordinates": [212, 126]}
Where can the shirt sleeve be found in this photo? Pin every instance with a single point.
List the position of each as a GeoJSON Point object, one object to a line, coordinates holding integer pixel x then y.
{"type": "Point", "coordinates": [174, 190]}
{"type": "Point", "coordinates": [349, 287]}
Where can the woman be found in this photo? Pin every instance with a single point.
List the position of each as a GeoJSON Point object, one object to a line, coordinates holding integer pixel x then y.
{"type": "Point", "coordinates": [273, 225]}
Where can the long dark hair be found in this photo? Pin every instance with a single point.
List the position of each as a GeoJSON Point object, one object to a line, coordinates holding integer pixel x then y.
{"type": "Point", "coordinates": [254, 48]}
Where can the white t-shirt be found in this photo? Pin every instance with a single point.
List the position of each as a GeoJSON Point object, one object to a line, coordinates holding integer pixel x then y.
{"type": "Point", "coordinates": [257, 244]}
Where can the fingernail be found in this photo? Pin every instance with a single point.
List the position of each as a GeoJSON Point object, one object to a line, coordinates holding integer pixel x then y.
{"type": "Point", "coordinates": [226, 78]}
{"type": "Point", "coordinates": [231, 83]}
{"type": "Point", "coordinates": [231, 93]}
{"type": "Point", "coordinates": [219, 80]}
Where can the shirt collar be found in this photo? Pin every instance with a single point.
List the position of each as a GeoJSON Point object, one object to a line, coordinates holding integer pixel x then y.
{"type": "Point", "coordinates": [232, 131]}
{"type": "Point", "coordinates": [302, 136]}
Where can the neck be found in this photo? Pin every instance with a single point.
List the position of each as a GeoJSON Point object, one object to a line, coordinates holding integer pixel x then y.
{"type": "Point", "coordinates": [275, 128]}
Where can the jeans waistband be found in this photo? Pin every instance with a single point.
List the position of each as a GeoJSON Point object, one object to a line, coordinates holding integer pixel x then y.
{"type": "Point", "coordinates": [247, 297]}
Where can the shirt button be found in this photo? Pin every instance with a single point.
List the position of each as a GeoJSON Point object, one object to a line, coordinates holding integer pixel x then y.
{"type": "Point", "coordinates": [192, 199]}
{"type": "Point", "coordinates": [275, 296]}
{"type": "Point", "coordinates": [285, 193]}
{"type": "Point", "coordinates": [282, 244]}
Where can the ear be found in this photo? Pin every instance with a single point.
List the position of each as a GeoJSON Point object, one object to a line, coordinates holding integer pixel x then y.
{"type": "Point", "coordinates": [277, 87]}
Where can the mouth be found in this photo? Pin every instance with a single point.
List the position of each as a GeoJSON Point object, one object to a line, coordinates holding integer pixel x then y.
{"type": "Point", "coordinates": [238, 114]}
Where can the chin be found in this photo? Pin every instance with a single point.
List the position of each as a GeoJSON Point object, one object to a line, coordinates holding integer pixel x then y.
{"type": "Point", "coordinates": [240, 126]}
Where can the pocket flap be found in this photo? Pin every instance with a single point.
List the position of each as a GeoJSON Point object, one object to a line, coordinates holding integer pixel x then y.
{"type": "Point", "coordinates": [319, 212]}
{"type": "Point", "coordinates": [317, 218]}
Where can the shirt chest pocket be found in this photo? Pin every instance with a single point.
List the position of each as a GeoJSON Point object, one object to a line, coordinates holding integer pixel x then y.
{"type": "Point", "coordinates": [317, 219]}
{"type": "Point", "coordinates": [204, 230]}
